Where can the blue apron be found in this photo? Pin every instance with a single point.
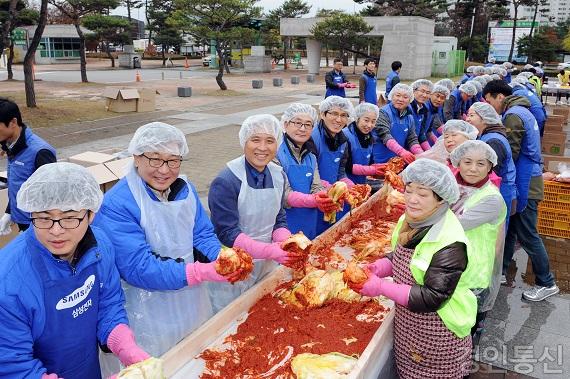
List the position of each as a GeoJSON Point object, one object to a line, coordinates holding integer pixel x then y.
{"type": "Point", "coordinates": [536, 107]}
{"type": "Point", "coordinates": [389, 79]}
{"type": "Point", "coordinates": [399, 131]}
{"type": "Point", "coordinates": [529, 157]}
{"type": "Point", "coordinates": [360, 155]}
{"type": "Point", "coordinates": [370, 89]}
{"type": "Point", "coordinates": [300, 176]}
{"type": "Point", "coordinates": [68, 345]}
{"type": "Point", "coordinates": [329, 168]}
{"type": "Point", "coordinates": [458, 106]}
{"type": "Point", "coordinates": [337, 79]}
{"type": "Point", "coordinates": [508, 187]}
{"type": "Point", "coordinates": [432, 113]}
{"type": "Point", "coordinates": [421, 123]}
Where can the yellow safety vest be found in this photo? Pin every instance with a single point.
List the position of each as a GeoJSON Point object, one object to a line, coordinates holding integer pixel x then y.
{"type": "Point", "coordinates": [458, 313]}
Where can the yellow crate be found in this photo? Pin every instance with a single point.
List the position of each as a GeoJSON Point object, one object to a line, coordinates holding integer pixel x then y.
{"type": "Point", "coordinates": [555, 191]}
{"type": "Point", "coordinates": [553, 232]}
{"type": "Point", "coordinates": [548, 214]}
{"type": "Point", "coordinates": [554, 206]}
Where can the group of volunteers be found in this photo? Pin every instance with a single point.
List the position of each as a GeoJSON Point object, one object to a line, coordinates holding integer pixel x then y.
{"type": "Point", "coordinates": [99, 281]}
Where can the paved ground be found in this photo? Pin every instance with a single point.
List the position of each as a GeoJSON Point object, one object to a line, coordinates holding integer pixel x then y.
{"type": "Point", "coordinates": [520, 338]}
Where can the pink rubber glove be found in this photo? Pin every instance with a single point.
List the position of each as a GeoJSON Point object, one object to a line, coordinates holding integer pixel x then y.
{"type": "Point", "coordinates": [381, 268]}
{"type": "Point", "coordinates": [198, 272]}
{"type": "Point", "coordinates": [416, 149]}
{"type": "Point", "coordinates": [495, 179]}
{"type": "Point", "coordinates": [341, 85]}
{"type": "Point", "coordinates": [358, 169]}
{"type": "Point", "coordinates": [325, 184]}
{"type": "Point", "coordinates": [394, 146]}
{"type": "Point", "coordinates": [425, 146]}
{"type": "Point", "coordinates": [301, 200]}
{"type": "Point", "coordinates": [280, 234]}
{"type": "Point", "coordinates": [432, 138]}
{"type": "Point", "coordinates": [261, 250]}
{"type": "Point", "coordinates": [348, 182]}
{"type": "Point", "coordinates": [122, 343]}
{"type": "Point", "coordinates": [407, 156]}
{"type": "Point", "coordinates": [50, 376]}
{"type": "Point", "coordinates": [440, 130]}
{"type": "Point", "coordinates": [375, 286]}
{"type": "Point", "coordinates": [324, 202]}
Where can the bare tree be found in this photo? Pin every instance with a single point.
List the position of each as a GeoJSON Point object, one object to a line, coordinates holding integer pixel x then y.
{"type": "Point", "coordinates": [30, 55]}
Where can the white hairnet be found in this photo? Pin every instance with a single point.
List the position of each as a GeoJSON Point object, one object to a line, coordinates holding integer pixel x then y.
{"type": "Point", "coordinates": [526, 74]}
{"type": "Point", "coordinates": [478, 70]}
{"type": "Point", "coordinates": [477, 85]}
{"type": "Point", "coordinates": [363, 108]}
{"type": "Point", "coordinates": [487, 113]}
{"type": "Point", "coordinates": [502, 72]}
{"type": "Point", "coordinates": [337, 102]}
{"type": "Point", "coordinates": [539, 63]}
{"type": "Point", "coordinates": [508, 65]}
{"type": "Point", "coordinates": [473, 146]}
{"type": "Point", "coordinates": [468, 88]}
{"type": "Point", "coordinates": [402, 88]}
{"type": "Point", "coordinates": [158, 137]}
{"type": "Point", "coordinates": [438, 88]}
{"type": "Point", "coordinates": [63, 186]}
{"type": "Point", "coordinates": [488, 70]}
{"type": "Point", "coordinates": [481, 80]}
{"type": "Point", "coordinates": [259, 124]}
{"type": "Point", "coordinates": [434, 175]}
{"type": "Point", "coordinates": [460, 126]}
{"type": "Point", "coordinates": [487, 78]}
{"type": "Point", "coordinates": [495, 69]}
{"type": "Point", "coordinates": [492, 60]}
{"type": "Point", "coordinates": [447, 83]}
{"type": "Point", "coordinates": [422, 82]}
{"type": "Point", "coordinates": [469, 69]}
{"type": "Point", "coordinates": [495, 77]}
{"type": "Point", "coordinates": [295, 109]}
{"type": "Point", "coordinates": [520, 80]}
{"type": "Point", "coordinates": [527, 66]}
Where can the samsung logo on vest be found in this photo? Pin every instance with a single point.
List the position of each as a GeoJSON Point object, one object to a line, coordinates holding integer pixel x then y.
{"type": "Point", "coordinates": [308, 174]}
{"type": "Point", "coordinates": [19, 163]}
{"type": "Point", "coordinates": [76, 296]}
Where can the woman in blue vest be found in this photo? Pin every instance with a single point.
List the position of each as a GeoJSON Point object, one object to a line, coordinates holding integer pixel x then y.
{"type": "Point", "coordinates": [395, 130]}
{"type": "Point", "coordinates": [435, 308]}
{"type": "Point", "coordinates": [304, 193]}
{"type": "Point", "coordinates": [491, 130]}
{"type": "Point", "coordinates": [367, 83]}
{"type": "Point", "coordinates": [161, 234]}
{"type": "Point", "coordinates": [455, 106]}
{"type": "Point", "coordinates": [393, 77]}
{"type": "Point", "coordinates": [26, 152]}
{"type": "Point", "coordinates": [359, 134]}
{"type": "Point", "coordinates": [335, 81]}
{"type": "Point", "coordinates": [422, 116]}
{"type": "Point", "coordinates": [60, 293]}
{"type": "Point", "coordinates": [332, 147]}
{"type": "Point", "coordinates": [481, 211]}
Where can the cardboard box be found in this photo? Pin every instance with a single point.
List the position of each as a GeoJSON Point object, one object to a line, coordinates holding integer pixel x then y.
{"type": "Point", "coordinates": [551, 162]}
{"type": "Point", "coordinates": [552, 148]}
{"type": "Point", "coordinates": [147, 100]}
{"type": "Point", "coordinates": [561, 111]}
{"type": "Point", "coordinates": [91, 158]}
{"type": "Point", "coordinates": [119, 167]}
{"type": "Point", "coordinates": [121, 99]}
{"type": "Point", "coordinates": [560, 137]}
{"type": "Point", "coordinates": [105, 178]}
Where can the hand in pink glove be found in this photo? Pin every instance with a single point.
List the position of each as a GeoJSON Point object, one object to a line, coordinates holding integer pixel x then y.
{"type": "Point", "coordinates": [262, 250]}
{"type": "Point", "coordinates": [50, 376]}
{"type": "Point", "coordinates": [198, 272]}
{"type": "Point", "coordinates": [425, 145]}
{"type": "Point", "coordinates": [380, 169]}
{"type": "Point", "coordinates": [407, 156]}
{"type": "Point", "coordinates": [280, 234]}
{"type": "Point", "coordinates": [324, 202]}
{"type": "Point", "coordinates": [375, 286]}
{"type": "Point", "coordinates": [381, 268]}
{"type": "Point", "coordinates": [122, 343]}
{"type": "Point", "coordinates": [347, 181]}
{"type": "Point", "coordinates": [358, 169]}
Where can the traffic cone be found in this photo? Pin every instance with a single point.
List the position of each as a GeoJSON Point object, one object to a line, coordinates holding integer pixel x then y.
{"type": "Point", "coordinates": [138, 76]}
{"type": "Point", "coordinates": [186, 64]}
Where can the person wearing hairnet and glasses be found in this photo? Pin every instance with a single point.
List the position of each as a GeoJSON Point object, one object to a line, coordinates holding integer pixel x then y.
{"type": "Point", "coordinates": [332, 147]}
{"type": "Point", "coordinates": [491, 131]}
{"type": "Point", "coordinates": [481, 211]}
{"type": "Point", "coordinates": [439, 94]}
{"type": "Point", "coordinates": [422, 117]}
{"type": "Point", "coordinates": [60, 293]}
{"type": "Point", "coordinates": [161, 234]}
{"type": "Point", "coordinates": [25, 152]}
{"type": "Point", "coordinates": [246, 204]}
{"type": "Point", "coordinates": [455, 132]}
{"type": "Point", "coordinates": [459, 101]}
{"type": "Point", "coordinates": [304, 192]}
{"type": "Point", "coordinates": [395, 130]}
{"type": "Point", "coordinates": [435, 307]}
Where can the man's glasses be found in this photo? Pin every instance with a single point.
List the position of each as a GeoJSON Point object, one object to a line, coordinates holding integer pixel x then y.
{"type": "Point", "coordinates": [300, 125]}
{"type": "Point", "coordinates": [157, 162]}
{"type": "Point", "coordinates": [65, 223]}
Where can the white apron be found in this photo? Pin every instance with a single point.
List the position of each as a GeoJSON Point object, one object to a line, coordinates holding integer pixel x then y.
{"type": "Point", "coordinates": [161, 319]}
{"type": "Point", "coordinates": [258, 209]}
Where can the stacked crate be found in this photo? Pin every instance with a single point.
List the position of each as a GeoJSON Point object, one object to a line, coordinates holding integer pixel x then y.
{"type": "Point", "coordinates": [556, 139]}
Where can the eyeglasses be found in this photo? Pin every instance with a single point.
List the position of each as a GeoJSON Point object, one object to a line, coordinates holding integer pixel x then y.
{"type": "Point", "coordinates": [65, 223]}
{"type": "Point", "coordinates": [158, 163]}
{"type": "Point", "coordinates": [300, 125]}
{"type": "Point", "coordinates": [343, 116]}
{"type": "Point", "coordinates": [423, 92]}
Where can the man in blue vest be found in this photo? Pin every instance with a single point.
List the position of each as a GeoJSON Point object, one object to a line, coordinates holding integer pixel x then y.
{"type": "Point", "coordinates": [335, 80]}
{"type": "Point", "coordinates": [393, 77]}
{"type": "Point", "coordinates": [457, 104]}
{"type": "Point", "coordinates": [520, 88]}
{"type": "Point", "coordinates": [524, 138]}
{"type": "Point", "coordinates": [26, 153]}
{"type": "Point", "coordinates": [367, 83]}
{"type": "Point", "coordinates": [422, 117]}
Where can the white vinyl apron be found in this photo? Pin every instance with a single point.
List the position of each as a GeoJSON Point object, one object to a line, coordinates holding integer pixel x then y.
{"type": "Point", "coordinates": [161, 319]}
{"type": "Point", "coordinates": [258, 209]}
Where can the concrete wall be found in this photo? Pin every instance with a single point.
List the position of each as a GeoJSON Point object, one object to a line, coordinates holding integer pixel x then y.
{"type": "Point", "coordinates": [406, 39]}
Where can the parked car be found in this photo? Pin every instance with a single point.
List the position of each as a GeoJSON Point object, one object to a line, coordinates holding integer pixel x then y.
{"type": "Point", "coordinates": [563, 66]}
